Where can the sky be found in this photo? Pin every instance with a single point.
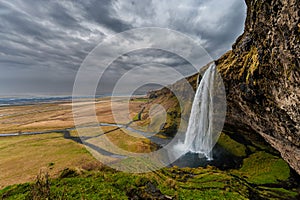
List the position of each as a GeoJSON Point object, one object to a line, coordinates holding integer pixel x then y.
{"type": "Point", "coordinates": [44, 43]}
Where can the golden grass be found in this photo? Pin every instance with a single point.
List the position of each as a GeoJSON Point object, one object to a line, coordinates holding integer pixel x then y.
{"type": "Point", "coordinates": [117, 140]}
{"type": "Point", "coordinates": [23, 156]}
{"type": "Point", "coordinates": [131, 142]}
{"type": "Point", "coordinates": [53, 116]}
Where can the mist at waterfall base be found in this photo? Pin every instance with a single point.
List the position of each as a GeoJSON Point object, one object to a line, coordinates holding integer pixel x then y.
{"type": "Point", "coordinates": [198, 146]}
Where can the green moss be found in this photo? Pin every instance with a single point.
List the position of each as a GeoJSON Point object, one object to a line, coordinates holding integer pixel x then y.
{"type": "Point", "coordinates": [245, 65]}
{"type": "Point", "coordinates": [210, 194]}
{"type": "Point", "coordinates": [279, 193]}
{"type": "Point", "coordinates": [227, 63]}
{"type": "Point", "coordinates": [15, 191]}
{"type": "Point", "coordinates": [254, 63]}
{"type": "Point", "coordinates": [136, 118]}
{"type": "Point", "coordinates": [264, 168]}
{"type": "Point", "coordinates": [172, 122]}
{"type": "Point", "coordinates": [252, 148]}
{"type": "Point", "coordinates": [233, 147]}
{"type": "Point", "coordinates": [186, 183]}
{"type": "Point", "coordinates": [86, 188]}
{"type": "Point", "coordinates": [250, 63]}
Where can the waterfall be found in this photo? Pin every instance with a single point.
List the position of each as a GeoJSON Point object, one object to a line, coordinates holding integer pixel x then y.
{"type": "Point", "coordinates": [200, 135]}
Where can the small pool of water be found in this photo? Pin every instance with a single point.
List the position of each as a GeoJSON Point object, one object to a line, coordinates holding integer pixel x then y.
{"type": "Point", "coordinates": [221, 159]}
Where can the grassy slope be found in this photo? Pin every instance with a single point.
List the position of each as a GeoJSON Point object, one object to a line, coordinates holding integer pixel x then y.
{"type": "Point", "coordinates": [201, 183]}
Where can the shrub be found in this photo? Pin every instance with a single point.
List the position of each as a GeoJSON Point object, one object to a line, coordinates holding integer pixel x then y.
{"type": "Point", "coordinates": [41, 187]}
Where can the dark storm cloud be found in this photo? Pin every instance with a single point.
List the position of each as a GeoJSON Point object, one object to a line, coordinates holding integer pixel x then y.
{"type": "Point", "coordinates": [38, 38]}
{"type": "Point", "coordinates": [216, 24]}
{"type": "Point", "coordinates": [152, 60]}
{"type": "Point", "coordinates": [43, 43]}
{"type": "Point", "coordinates": [149, 56]}
{"type": "Point", "coordinates": [101, 12]}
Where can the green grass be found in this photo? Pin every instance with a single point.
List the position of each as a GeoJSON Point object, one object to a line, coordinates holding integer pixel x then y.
{"type": "Point", "coordinates": [15, 191]}
{"type": "Point", "coordinates": [186, 183]}
{"type": "Point", "coordinates": [109, 184]}
{"type": "Point", "coordinates": [279, 193]}
{"type": "Point", "coordinates": [233, 147]}
{"type": "Point", "coordinates": [264, 168]}
{"type": "Point", "coordinates": [130, 141]}
{"type": "Point", "coordinates": [213, 194]}
{"type": "Point", "coordinates": [136, 117]}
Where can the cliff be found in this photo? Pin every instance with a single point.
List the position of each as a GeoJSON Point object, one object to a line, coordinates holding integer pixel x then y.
{"type": "Point", "coordinates": [262, 76]}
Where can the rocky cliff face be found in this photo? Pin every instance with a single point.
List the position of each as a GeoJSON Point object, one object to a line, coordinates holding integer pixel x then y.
{"type": "Point", "coordinates": [262, 76]}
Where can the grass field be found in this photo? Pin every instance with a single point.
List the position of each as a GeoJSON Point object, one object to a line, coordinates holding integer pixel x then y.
{"type": "Point", "coordinates": [52, 116]}
{"type": "Point", "coordinates": [168, 183]}
{"type": "Point", "coordinates": [23, 156]}
{"type": "Point", "coordinates": [75, 174]}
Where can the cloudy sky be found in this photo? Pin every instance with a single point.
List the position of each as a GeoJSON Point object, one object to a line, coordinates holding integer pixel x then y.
{"type": "Point", "coordinates": [43, 43]}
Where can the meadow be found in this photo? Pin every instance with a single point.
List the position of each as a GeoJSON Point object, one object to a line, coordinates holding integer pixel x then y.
{"type": "Point", "coordinates": [56, 165]}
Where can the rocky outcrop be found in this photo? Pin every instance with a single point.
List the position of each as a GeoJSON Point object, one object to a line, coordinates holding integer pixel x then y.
{"type": "Point", "coordinates": [262, 76]}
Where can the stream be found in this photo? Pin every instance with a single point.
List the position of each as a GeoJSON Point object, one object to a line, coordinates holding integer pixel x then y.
{"type": "Point", "coordinates": [155, 139]}
{"type": "Point", "coordinates": [220, 157]}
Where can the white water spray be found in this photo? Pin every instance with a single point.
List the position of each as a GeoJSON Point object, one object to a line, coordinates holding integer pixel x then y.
{"type": "Point", "coordinates": [201, 136]}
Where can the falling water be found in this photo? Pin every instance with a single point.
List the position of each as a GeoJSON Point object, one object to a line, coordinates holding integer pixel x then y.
{"type": "Point", "coordinates": [200, 134]}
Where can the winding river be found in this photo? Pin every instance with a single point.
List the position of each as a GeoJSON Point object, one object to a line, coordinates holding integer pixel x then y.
{"type": "Point", "coordinates": [155, 139]}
